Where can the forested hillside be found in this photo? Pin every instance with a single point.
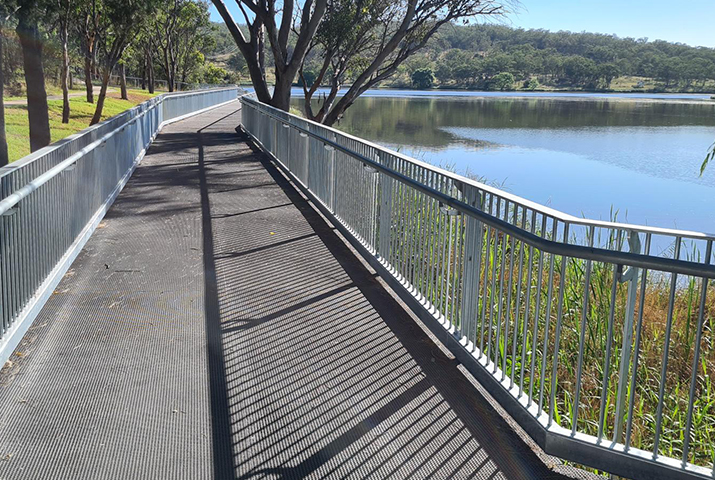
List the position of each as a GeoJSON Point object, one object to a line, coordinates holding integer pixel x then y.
{"type": "Point", "coordinates": [500, 57]}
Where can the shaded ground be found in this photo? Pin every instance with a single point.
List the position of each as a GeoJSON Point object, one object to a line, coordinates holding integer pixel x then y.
{"type": "Point", "coordinates": [216, 327]}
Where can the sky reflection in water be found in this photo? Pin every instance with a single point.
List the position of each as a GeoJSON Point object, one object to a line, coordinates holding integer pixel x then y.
{"type": "Point", "coordinates": [581, 156]}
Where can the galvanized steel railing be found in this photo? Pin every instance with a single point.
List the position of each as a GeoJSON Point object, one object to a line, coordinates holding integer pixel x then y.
{"type": "Point", "coordinates": [597, 337]}
{"type": "Point", "coordinates": [51, 200]}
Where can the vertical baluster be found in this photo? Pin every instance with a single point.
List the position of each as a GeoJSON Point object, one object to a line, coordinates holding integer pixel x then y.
{"type": "Point", "coordinates": [385, 225]}
{"type": "Point", "coordinates": [632, 277]}
{"type": "Point", "coordinates": [636, 349]}
{"type": "Point", "coordinates": [472, 258]}
{"type": "Point", "coordinates": [508, 297]}
{"type": "Point", "coordinates": [559, 320]}
{"type": "Point", "coordinates": [423, 240]}
{"type": "Point", "coordinates": [527, 305]}
{"type": "Point", "coordinates": [517, 301]}
{"type": "Point", "coordinates": [582, 334]}
{"type": "Point", "coordinates": [696, 356]}
{"type": "Point", "coordinates": [497, 326]}
{"type": "Point", "coordinates": [495, 258]}
{"type": "Point", "coordinates": [434, 247]}
{"type": "Point", "coordinates": [666, 351]}
{"type": "Point", "coordinates": [609, 342]}
{"type": "Point", "coordinates": [547, 319]}
{"type": "Point", "coordinates": [488, 260]}
{"type": "Point", "coordinates": [537, 311]}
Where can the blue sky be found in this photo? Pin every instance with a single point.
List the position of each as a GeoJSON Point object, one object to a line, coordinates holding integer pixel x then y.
{"type": "Point", "coordinates": [690, 21]}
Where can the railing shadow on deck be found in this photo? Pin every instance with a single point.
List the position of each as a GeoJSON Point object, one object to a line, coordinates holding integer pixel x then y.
{"type": "Point", "coordinates": [370, 333]}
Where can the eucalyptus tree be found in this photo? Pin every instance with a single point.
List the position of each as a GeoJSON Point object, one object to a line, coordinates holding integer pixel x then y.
{"type": "Point", "coordinates": [64, 17]}
{"type": "Point", "coordinates": [180, 33]}
{"type": "Point", "coordinates": [143, 50]}
{"type": "Point", "coordinates": [361, 42]}
{"type": "Point", "coordinates": [88, 28]}
{"type": "Point", "coordinates": [289, 27]}
{"type": "Point", "coordinates": [123, 80]}
{"type": "Point", "coordinates": [121, 21]}
{"type": "Point", "coordinates": [365, 42]}
{"type": "Point", "coordinates": [29, 14]}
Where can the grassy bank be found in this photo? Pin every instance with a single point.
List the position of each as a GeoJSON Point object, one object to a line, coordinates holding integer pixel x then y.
{"type": "Point", "coordinates": [81, 113]}
{"type": "Point", "coordinates": [624, 84]}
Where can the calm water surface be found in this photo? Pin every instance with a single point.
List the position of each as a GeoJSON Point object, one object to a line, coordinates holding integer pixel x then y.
{"type": "Point", "coordinates": [583, 156]}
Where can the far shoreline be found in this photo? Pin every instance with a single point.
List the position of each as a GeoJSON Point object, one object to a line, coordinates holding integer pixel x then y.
{"type": "Point", "coordinates": [681, 98]}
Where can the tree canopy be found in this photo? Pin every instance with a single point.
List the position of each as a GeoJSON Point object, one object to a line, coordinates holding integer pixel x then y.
{"type": "Point", "coordinates": [361, 42]}
{"type": "Point", "coordinates": [47, 44]}
{"type": "Point", "coordinates": [470, 55]}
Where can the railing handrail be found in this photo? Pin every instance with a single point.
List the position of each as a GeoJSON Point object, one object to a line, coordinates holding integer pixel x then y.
{"type": "Point", "coordinates": [559, 248]}
{"type": "Point", "coordinates": [543, 209]}
{"type": "Point", "coordinates": [28, 159]}
{"type": "Point", "coordinates": [52, 200]}
{"type": "Point", "coordinates": [403, 217]}
{"type": "Point", "coordinates": [14, 198]}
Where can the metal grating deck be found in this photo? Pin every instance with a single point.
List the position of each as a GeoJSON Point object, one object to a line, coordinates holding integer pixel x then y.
{"type": "Point", "coordinates": [216, 327]}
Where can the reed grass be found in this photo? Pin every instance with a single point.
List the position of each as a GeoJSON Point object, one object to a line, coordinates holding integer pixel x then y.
{"type": "Point", "coordinates": [505, 330]}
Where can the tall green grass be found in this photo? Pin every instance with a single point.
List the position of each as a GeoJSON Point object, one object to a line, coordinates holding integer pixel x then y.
{"type": "Point", "coordinates": [517, 327]}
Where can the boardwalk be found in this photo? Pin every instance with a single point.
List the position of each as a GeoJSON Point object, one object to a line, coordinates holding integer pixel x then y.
{"type": "Point", "coordinates": [216, 327]}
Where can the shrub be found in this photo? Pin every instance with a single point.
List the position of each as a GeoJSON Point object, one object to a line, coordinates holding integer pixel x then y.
{"type": "Point", "coordinates": [423, 78]}
{"type": "Point", "coordinates": [309, 75]}
{"type": "Point", "coordinates": [502, 81]}
{"type": "Point", "coordinates": [214, 75]}
{"type": "Point", "coordinates": [531, 84]}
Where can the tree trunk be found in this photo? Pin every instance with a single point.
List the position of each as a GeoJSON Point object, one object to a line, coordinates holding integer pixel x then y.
{"type": "Point", "coordinates": [123, 81]}
{"type": "Point", "coordinates": [169, 67]}
{"type": "Point", "coordinates": [281, 92]}
{"type": "Point", "coordinates": [31, 44]}
{"type": "Point", "coordinates": [143, 80]}
{"type": "Point", "coordinates": [88, 79]}
{"type": "Point", "coordinates": [151, 78]}
{"type": "Point", "coordinates": [100, 100]}
{"type": "Point", "coordinates": [65, 73]}
{"type": "Point", "coordinates": [251, 54]}
{"type": "Point", "coordinates": [4, 160]}
{"type": "Point", "coordinates": [93, 56]}
{"type": "Point", "coordinates": [337, 111]}
{"type": "Point", "coordinates": [150, 72]}
{"type": "Point", "coordinates": [262, 52]}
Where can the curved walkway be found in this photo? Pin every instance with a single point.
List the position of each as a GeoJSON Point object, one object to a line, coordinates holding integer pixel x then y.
{"type": "Point", "coordinates": [216, 327]}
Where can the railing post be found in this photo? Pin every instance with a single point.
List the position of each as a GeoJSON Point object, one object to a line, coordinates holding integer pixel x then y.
{"type": "Point", "coordinates": [5, 311]}
{"type": "Point", "coordinates": [331, 174]}
{"type": "Point", "coordinates": [275, 148]}
{"type": "Point", "coordinates": [385, 209]}
{"type": "Point", "coordinates": [630, 276]}
{"type": "Point", "coordinates": [472, 265]}
{"type": "Point", "coordinates": [286, 144]}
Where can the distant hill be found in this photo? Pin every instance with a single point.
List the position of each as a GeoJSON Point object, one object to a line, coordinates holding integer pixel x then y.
{"type": "Point", "coordinates": [470, 56]}
{"type": "Point", "coordinates": [493, 57]}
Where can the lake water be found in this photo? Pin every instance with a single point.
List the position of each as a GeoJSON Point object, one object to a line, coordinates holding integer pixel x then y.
{"type": "Point", "coordinates": [579, 153]}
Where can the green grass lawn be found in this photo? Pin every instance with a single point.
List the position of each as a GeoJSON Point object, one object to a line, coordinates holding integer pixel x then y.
{"type": "Point", "coordinates": [50, 90]}
{"type": "Point", "coordinates": [81, 112]}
